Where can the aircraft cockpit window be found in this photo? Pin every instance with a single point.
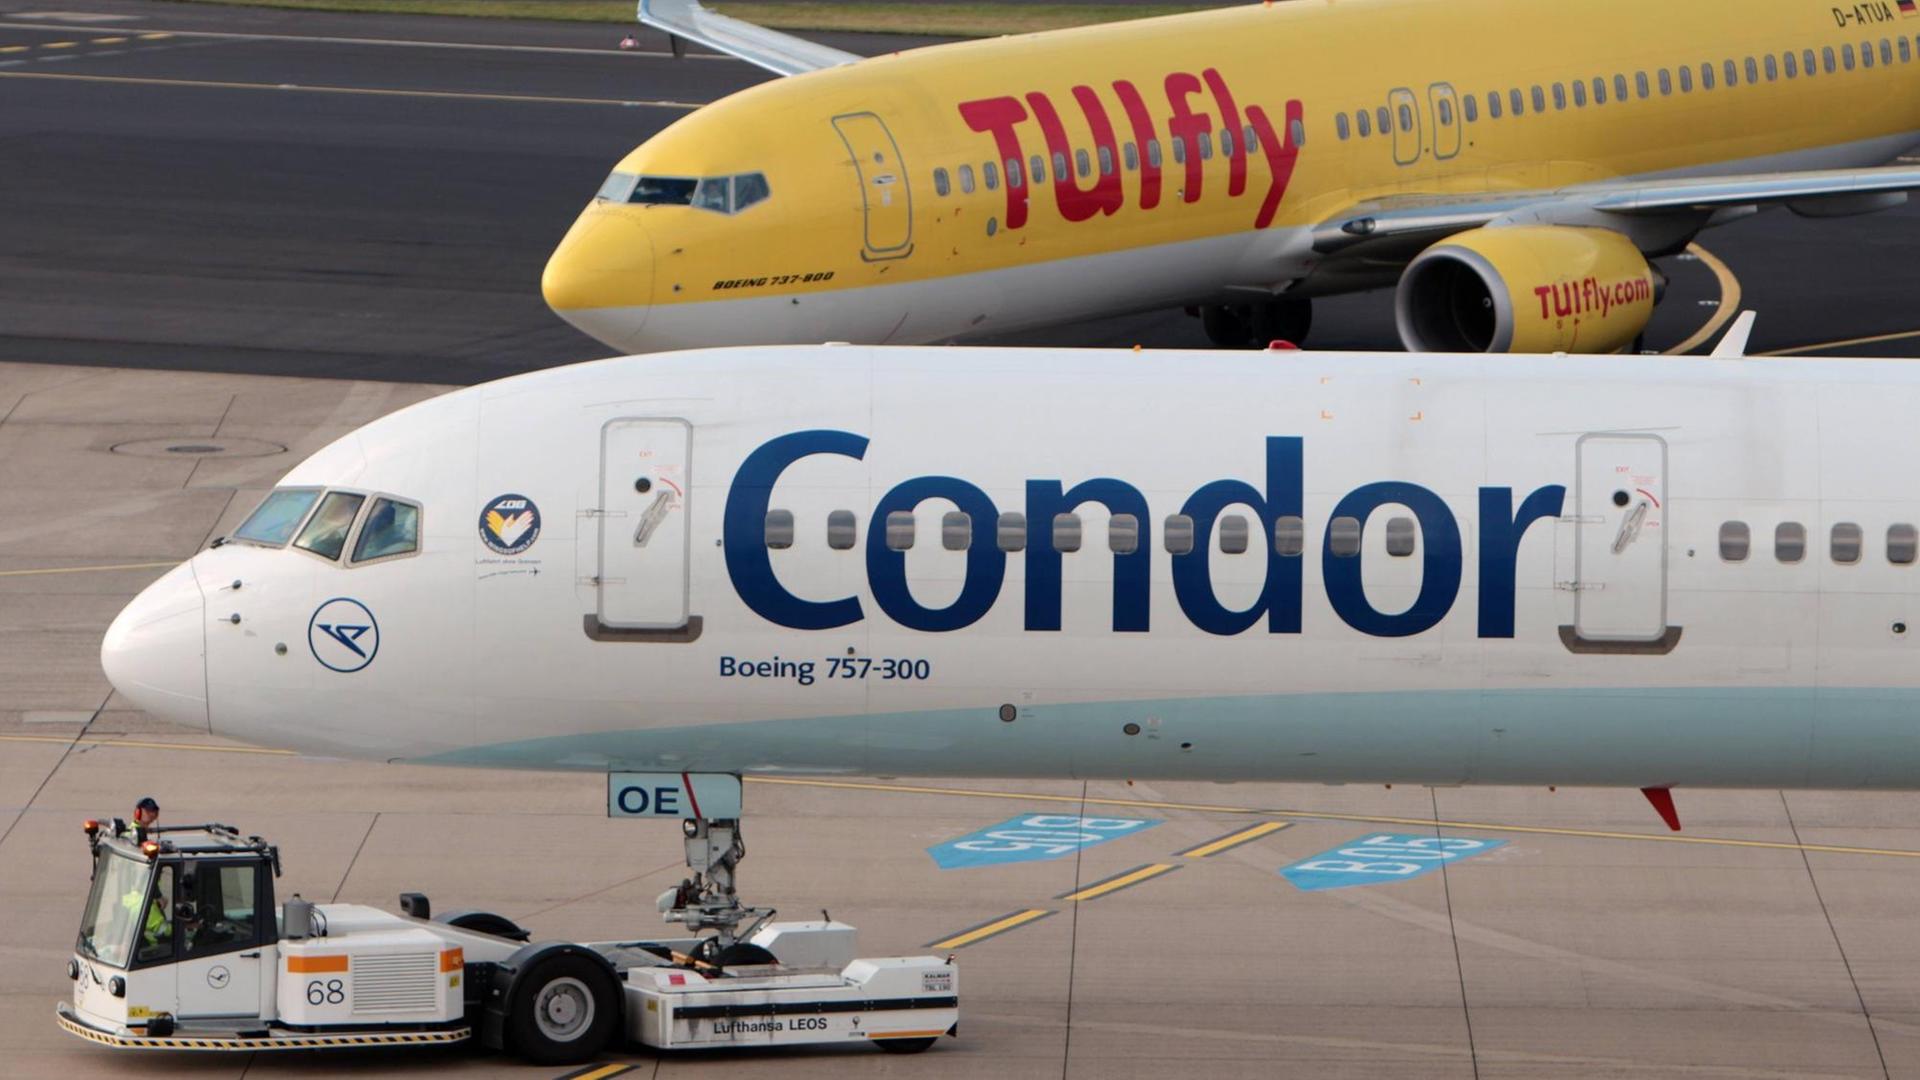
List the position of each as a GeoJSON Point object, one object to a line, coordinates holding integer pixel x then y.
{"type": "Point", "coordinates": [618, 187]}
{"type": "Point", "coordinates": [392, 528]}
{"type": "Point", "coordinates": [279, 514]}
{"type": "Point", "coordinates": [663, 190]}
{"type": "Point", "coordinates": [711, 194]}
{"type": "Point", "coordinates": [326, 532]}
{"type": "Point", "coordinates": [748, 189]}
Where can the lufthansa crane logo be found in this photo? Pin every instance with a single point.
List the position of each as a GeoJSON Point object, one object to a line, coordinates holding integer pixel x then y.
{"type": "Point", "coordinates": [343, 635]}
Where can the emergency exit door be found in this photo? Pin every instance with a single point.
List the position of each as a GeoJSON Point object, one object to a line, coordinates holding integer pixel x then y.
{"type": "Point", "coordinates": [1444, 105]}
{"type": "Point", "coordinates": [1620, 553]}
{"type": "Point", "coordinates": [885, 198]}
{"type": "Point", "coordinates": [1403, 111]}
{"type": "Point", "coordinates": [645, 474]}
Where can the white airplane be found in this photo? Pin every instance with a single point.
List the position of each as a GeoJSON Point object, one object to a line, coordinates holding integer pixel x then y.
{"type": "Point", "coordinates": [1044, 563]}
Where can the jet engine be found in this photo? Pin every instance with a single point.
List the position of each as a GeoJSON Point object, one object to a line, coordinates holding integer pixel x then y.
{"type": "Point", "coordinates": [1526, 289]}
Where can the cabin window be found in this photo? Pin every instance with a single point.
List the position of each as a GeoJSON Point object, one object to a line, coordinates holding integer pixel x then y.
{"type": "Point", "coordinates": [1233, 534]}
{"type": "Point", "coordinates": [1177, 534]}
{"type": "Point", "coordinates": [1539, 99]}
{"type": "Point", "coordinates": [1013, 173]}
{"type": "Point", "coordinates": [1381, 120]}
{"type": "Point", "coordinates": [326, 532]}
{"type": "Point", "coordinates": [1364, 121]}
{"type": "Point", "coordinates": [1010, 533]}
{"type": "Point", "coordinates": [1790, 64]}
{"type": "Point", "coordinates": [1340, 127]}
{"type": "Point", "coordinates": [1620, 88]}
{"type": "Point", "coordinates": [1844, 543]}
{"type": "Point", "coordinates": [1733, 74]}
{"type": "Point", "coordinates": [778, 529]}
{"type": "Point", "coordinates": [966, 179]}
{"type": "Point", "coordinates": [1343, 537]}
{"type": "Point", "coordinates": [1666, 82]}
{"type": "Point", "coordinates": [1560, 96]}
{"type": "Point", "coordinates": [1249, 139]}
{"type": "Point", "coordinates": [1866, 54]}
{"type": "Point", "coordinates": [1903, 541]}
{"type": "Point", "coordinates": [1686, 79]}
{"type": "Point", "coordinates": [1204, 140]}
{"type": "Point", "coordinates": [1599, 90]}
{"type": "Point", "coordinates": [1790, 541]}
{"type": "Point", "coordinates": [1446, 112]}
{"type": "Point", "coordinates": [1060, 172]}
{"type": "Point", "coordinates": [1906, 52]}
{"type": "Point", "coordinates": [1826, 59]}
{"type": "Point", "coordinates": [1226, 142]}
{"type": "Point", "coordinates": [899, 530]}
{"type": "Point", "coordinates": [1493, 105]}
{"type": "Point", "coordinates": [1471, 107]}
{"type": "Point", "coordinates": [1037, 169]}
{"type": "Point", "coordinates": [1753, 72]}
{"type": "Point", "coordinates": [1297, 131]}
{"type": "Point", "coordinates": [990, 173]}
{"type": "Point", "coordinates": [1400, 537]}
{"type": "Point", "coordinates": [1106, 161]}
{"type": "Point", "coordinates": [956, 530]}
{"type": "Point", "coordinates": [1773, 68]}
{"type": "Point", "coordinates": [1130, 154]}
{"type": "Point", "coordinates": [1066, 532]}
{"type": "Point", "coordinates": [1706, 76]}
{"type": "Point", "coordinates": [1082, 165]}
{"type": "Point", "coordinates": [1640, 84]}
{"type": "Point", "coordinates": [1579, 94]}
{"type": "Point", "coordinates": [1810, 64]}
{"type": "Point", "coordinates": [1886, 51]}
{"type": "Point", "coordinates": [1153, 152]}
{"type": "Point", "coordinates": [1289, 536]}
{"type": "Point", "coordinates": [841, 529]}
{"type": "Point", "coordinates": [1123, 534]}
{"type": "Point", "coordinates": [392, 528]}
{"type": "Point", "coordinates": [1735, 541]}
{"type": "Point", "coordinates": [941, 184]}
{"type": "Point", "coordinates": [1179, 149]}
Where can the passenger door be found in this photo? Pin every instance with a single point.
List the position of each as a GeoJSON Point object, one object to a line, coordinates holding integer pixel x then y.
{"type": "Point", "coordinates": [645, 480]}
{"type": "Point", "coordinates": [886, 199]}
{"type": "Point", "coordinates": [1444, 108]}
{"type": "Point", "coordinates": [1620, 555]}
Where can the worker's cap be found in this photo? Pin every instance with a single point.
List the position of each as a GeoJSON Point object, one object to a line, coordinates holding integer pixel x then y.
{"type": "Point", "coordinates": [147, 803]}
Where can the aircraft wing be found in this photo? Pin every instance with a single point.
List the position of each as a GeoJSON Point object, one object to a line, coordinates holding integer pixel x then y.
{"type": "Point", "coordinates": [1816, 193]}
{"type": "Point", "coordinates": [782, 54]}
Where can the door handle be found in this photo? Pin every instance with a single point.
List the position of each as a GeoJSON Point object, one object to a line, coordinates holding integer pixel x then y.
{"type": "Point", "coordinates": [254, 955]}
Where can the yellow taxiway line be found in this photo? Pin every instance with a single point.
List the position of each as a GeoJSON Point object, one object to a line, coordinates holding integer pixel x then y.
{"type": "Point", "coordinates": [370, 91]}
{"type": "Point", "coordinates": [1317, 815]}
{"type": "Point", "coordinates": [990, 929]}
{"type": "Point", "coordinates": [598, 1072]}
{"type": "Point", "coordinates": [85, 569]}
{"type": "Point", "coordinates": [1800, 350]}
{"type": "Point", "coordinates": [1233, 840]}
{"type": "Point", "coordinates": [1729, 301]}
{"type": "Point", "coordinates": [140, 744]}
{"type": "Point", "coordinates": [1120, 881]}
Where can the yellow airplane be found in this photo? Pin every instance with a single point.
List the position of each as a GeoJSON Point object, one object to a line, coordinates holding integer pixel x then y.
{"type": "Point", "coordinates": [1510, 164]}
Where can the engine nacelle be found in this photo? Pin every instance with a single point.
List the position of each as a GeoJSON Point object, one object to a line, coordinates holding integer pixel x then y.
{"type": "Point", "coordinates": [1525, 289]}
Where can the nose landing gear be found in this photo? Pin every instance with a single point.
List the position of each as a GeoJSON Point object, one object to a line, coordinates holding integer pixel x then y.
{"type": "Point", "coordinates": [707, 900]}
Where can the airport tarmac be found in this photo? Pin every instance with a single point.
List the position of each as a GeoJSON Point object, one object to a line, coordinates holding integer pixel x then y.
{"type": "Point", "coordinates": [1773, 938]}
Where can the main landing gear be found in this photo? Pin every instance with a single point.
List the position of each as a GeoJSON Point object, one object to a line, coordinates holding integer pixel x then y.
{"type": "Point", "coordinates": [1255, 326]}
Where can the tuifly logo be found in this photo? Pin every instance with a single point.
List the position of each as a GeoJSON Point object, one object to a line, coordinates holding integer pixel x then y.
{"type": "Point", "coordinates": [343, 635]}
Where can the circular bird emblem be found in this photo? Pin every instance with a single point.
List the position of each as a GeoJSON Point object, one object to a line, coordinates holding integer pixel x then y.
{"type": "Point", "coordinates": [343, 635]}
{"type": "Point", "coordinates": [218, 977]}
{"type": "Point", "coordinates": [510, 524]}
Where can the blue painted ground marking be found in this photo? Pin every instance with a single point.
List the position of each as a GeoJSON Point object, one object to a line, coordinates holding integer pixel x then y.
{"type": "Point", "coordinates": [1382, 857]}
{"type": "Point", "coordinates": [1033, 838]}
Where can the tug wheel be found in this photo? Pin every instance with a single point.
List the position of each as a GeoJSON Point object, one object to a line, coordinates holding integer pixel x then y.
{"type": "Point", "coordinates": [903, 1046]}
{"type": "Point", "coordinates": [563, 1012]}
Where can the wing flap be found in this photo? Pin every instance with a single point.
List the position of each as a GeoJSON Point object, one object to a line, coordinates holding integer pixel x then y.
{"type": "Point", "coordinates": [782, 54]}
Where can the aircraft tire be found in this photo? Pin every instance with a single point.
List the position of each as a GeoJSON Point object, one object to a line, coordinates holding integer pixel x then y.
{"type": "Point", "coordinates": [1225, 328]}
{"type": "Point", "coordinates": [564, 1010]}
{"type": "Point", "coordinates": [1288, 320]}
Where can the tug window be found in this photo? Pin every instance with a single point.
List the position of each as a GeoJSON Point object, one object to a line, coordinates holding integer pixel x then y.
{"type": "Point", "coordinates": [1233, 534]}
{"type": "Point", "coordinates": [1844, 543]}
{"type": "Point", "coordinates": [1790, 541]}
{"type": "Point", "coordinates": [1066, 532]}
{"type": "Point", "coordinates": [778, 529]}
{"type": "Point", "coordinates": [941, 185]}
{"type": "Point", "coordinates": [956, 530]}
{"type": "Point", "coordinates": [278, 516]}
{"type": "Point", "coordinates": [1123, 534]}
{"type": "Point", "coordinates": [1903, 541]}
{"type": "Point", "coordinates": [1010, 532]}
{"type": "Point", "coordinates": [1289, 536]}
{"type": "Point", "coordinates": [326, 534]}
{"type": "Point", "coordinates": [392, 528]}
{"type": "Point", "coordinates": [1400, 537]}
{"type": "Point", "coordinates": [1735, 541]}
{"type": "Point", "coordinates": [841, 529]}
{"type": "Point", "coordinates": [1177, 534]}
{"type": "Point", "coordinates": [1343, 537]}
{"type": "Point", "coordinates": [221, 900]}
{"type": "Point", "coordinates": [899, 530]}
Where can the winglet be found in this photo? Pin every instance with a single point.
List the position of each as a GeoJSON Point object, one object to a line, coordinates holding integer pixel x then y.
{"type": "Point", "coordinates": [1662, 800]}
{"type": "Point", "coordinates": [782, 54]}
{"type": "Point", "coordinates": [1733, 345]}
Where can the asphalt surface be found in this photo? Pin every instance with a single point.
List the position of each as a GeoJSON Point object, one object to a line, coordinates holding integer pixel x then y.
{"type": "Point", "coordinates": [374, 197]}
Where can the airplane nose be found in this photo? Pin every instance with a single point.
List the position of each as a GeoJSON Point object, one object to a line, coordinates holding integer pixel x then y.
{"type": "Point", "coordinates": [155, 651]}
{"type": "Point", "coordinates": [600, 278]}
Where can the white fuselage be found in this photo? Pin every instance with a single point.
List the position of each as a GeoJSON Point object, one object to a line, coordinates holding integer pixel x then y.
{"type": "Point", "coordinates": [1543, 588]}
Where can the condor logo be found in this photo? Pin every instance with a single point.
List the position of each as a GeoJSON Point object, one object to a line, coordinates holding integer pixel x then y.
{"type": "Point", "coordinates": [1191, 134]}
{"type": "Point", "coordinates": [343, 635]}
